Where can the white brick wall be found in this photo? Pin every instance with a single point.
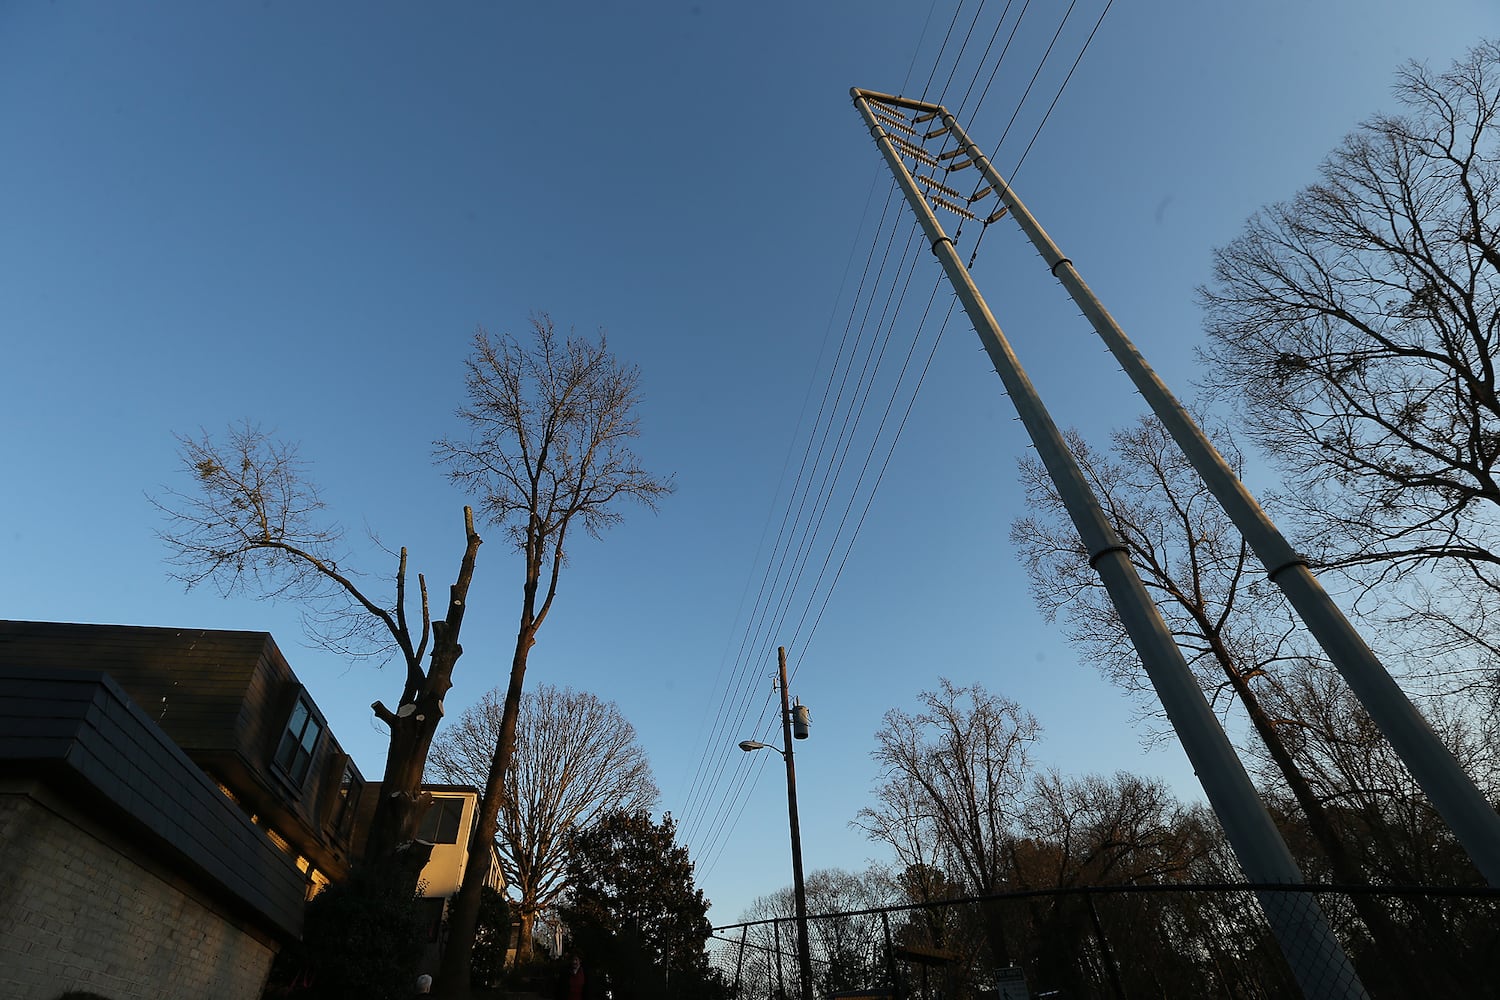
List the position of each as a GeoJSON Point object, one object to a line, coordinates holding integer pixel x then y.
{"type": "Point", "coordinates": [78, 914]}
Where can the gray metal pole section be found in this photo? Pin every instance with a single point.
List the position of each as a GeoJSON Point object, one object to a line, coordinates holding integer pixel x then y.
{"type": "Point", "coordinates": [799, 889]}
{"type": "Point", "coordinates": [1460, 802]}
{"type": "Point", "coordinates": [1311, 949]}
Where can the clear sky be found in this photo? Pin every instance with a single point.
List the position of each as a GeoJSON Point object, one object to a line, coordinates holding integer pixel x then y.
{"type": "Point", "coordinates": [299, 214]}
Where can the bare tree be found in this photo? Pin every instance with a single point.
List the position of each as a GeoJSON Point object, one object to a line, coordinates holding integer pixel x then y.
{"type": "Point", "coordinates": [1092, 831]}
{"type": "Point", "coordinates": [845, 931]}
{"type": "Point", "coordinates": [1394, 830]}
{"type": "Point", "coordinates": [1103, 831]}
{"type": "Point", "coordinates": [954, 776]}
{"type": "Point", "coordinates": [576, 758]}
{"type": "Point", "coordinates": [253, 523]}
{"type": "Point", "coordinates": [548, 450]}
{"type": "Point", "coordinates": [1390, 827]}
{"type": "Point", "coordinates": [1232, 628]}
{"type": "Point", "coordinates": [1358, 325]}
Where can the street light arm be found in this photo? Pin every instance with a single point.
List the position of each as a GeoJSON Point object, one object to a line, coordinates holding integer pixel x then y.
{"type": "Point", "coordinates": [749, 745]}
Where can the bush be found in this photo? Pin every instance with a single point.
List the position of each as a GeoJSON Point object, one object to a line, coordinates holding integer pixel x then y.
{"type": "Point", "coordinates": [491, 940]}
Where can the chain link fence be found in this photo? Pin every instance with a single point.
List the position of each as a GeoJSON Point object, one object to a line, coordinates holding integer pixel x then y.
{"type": "Point", "coordinates": [1123, 943]}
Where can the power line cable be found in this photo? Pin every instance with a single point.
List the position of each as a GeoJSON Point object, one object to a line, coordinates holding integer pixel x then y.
{"type": "Point", "coordinates": [754, 635]}
{"type": "Point", "coordinates": [1016, 170]}
{"type": "Point", "coordinates": [809, 532]}
{"type": "Point", "coordinates": [943, 48]}
{"type": "Point", "coordinates": [756, 627]}
{"type": "Point", "coordinates": [739, 657]}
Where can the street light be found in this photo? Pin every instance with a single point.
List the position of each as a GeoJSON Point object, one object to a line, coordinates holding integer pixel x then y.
{"type": "Point", "coordinates": [804, 958]}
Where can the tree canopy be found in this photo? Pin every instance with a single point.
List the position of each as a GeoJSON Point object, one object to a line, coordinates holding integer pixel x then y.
{"type": "Point", "coordinates": [576, 758]}
{"type": "Point", "coordinates": [1358, 324]}
{"type": "Point", "coordinates": [253, 522]}
{"type": "Point", "coordinates": [633, 909]}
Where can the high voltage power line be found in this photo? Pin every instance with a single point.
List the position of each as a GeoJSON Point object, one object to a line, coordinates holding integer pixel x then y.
{"type": "Point", "coordinates": [718, 791]}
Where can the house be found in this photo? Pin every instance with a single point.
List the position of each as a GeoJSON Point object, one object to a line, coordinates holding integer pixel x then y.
{"type": "Point", "coordinates": [168, 800]}
{"type": "Point", "coordinates": [447, 826]}
{"type": "Point", "coordinates": [231, 702]}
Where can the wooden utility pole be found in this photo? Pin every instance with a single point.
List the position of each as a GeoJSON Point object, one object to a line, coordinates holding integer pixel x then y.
{"type": "Point", "coordinates": [799, 889]}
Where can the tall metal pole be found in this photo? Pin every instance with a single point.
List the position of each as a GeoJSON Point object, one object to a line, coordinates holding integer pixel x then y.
{"type": "Point", "coordinates": [799, 891]}
{"type": "Point", "coordinates": [1457, 799]}
{"type": "Point", "coordinates": [1306, 939]}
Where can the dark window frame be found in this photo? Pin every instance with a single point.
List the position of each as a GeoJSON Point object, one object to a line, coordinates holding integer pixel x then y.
{"type": "Point", "coordinates": [351, 787]}
{"type": "Point", "coordinates": [443, 820]}
{"type": "Point", "coordinates": [299, 740]}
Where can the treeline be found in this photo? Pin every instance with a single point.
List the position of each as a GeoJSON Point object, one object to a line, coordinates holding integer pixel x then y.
{"type": "Point", "coordinates": [1039, 840]}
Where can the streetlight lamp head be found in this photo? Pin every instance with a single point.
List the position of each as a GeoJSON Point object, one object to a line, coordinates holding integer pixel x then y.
{"type": "Point", "coordinates": [748, 745]}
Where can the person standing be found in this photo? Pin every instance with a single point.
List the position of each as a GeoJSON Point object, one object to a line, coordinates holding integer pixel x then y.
{"type": "Point", "coordinates": [573, 981]}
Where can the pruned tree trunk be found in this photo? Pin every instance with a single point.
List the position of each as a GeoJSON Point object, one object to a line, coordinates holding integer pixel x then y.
{"type": "Point", "coordinates": [389, 853]}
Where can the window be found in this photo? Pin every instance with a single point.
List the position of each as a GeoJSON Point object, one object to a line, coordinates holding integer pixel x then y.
{"type": "Point", "coordinates": [440, 823]}
{"type": "Point", "coordinates": [349, 788]}
{"type": "Point", "coordinates": [295, 753]}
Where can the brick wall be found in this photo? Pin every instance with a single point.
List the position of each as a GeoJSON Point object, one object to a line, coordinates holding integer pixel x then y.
{"type": "Point", "coordinates": [80, 909]}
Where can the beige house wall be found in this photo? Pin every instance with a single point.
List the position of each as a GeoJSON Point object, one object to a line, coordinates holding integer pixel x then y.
{"type": "Point", "coordinates": [82, 909]}
{"type": "Point", "coordinates": [444, 871]}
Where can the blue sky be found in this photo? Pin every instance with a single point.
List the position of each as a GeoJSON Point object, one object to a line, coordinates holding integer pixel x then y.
{"type": "Point", "coordinates": [299, 214]}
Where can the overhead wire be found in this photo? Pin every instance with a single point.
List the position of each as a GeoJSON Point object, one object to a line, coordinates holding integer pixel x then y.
{"type": "Point", "coordinates": [1016, 170]}
{"type": "Point", "coordinates": [803, 529]}
{"type": "Point", "coordinates": [722, 818]}
{"type": "Point", "coordinates": [811, 527]}
{"type": "Point", "coordinates": [941, 49]}
{"type": "Point", "coordinates": [880, 477]}
{"type": "Point", "coordinates": [766, 578]}
{"type": "Point", "coordinates": [786, 464]}
{"type": "Point", "coordinates": [931, 8]}
{"type": "Point", "coordinates": [758, 627]}
{"type": "Point", "coordinates": [716, 802]}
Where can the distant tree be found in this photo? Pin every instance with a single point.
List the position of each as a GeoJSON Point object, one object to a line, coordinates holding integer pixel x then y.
{"type": "Point", "coordinates": [1394, 831]}
{"type": "Point", "coordinates": [252, 522]}
{"type": "Point", "coordinates": [1198, 944]}
{"type": "Point", "coordinates": [548, 450]}
{"type": "Point", "coordinates": [946, 928]}
{"type": "Point", "coordinates": [633, 911]}
{"type": "Point", "coordinates": [954, 777]}
{"type": "Point", "coordinates": [1359, 327]}
{"type": "Point", "coordinates": [845, 937]}
{"type": "Point", "coordinates": [1091, 831]}
{"type": "Point", "coordinates": [576, 758]}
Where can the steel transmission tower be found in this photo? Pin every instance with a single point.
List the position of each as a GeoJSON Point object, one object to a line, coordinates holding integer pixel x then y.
{"type": "Point", "coordinates": [1453, 793]}
{"type": "Point", "coordinates": [936, 146]}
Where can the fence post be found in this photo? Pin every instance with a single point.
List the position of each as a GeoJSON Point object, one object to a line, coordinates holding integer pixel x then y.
{"type": "Point", "coordinates": [890, 956]}
{"type": "Point", "coordinates": [1109, 956]}
{"type": "Point", "coordinates": [739, 961]}
{"type": "Point", "coordinates": [780, 982]}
